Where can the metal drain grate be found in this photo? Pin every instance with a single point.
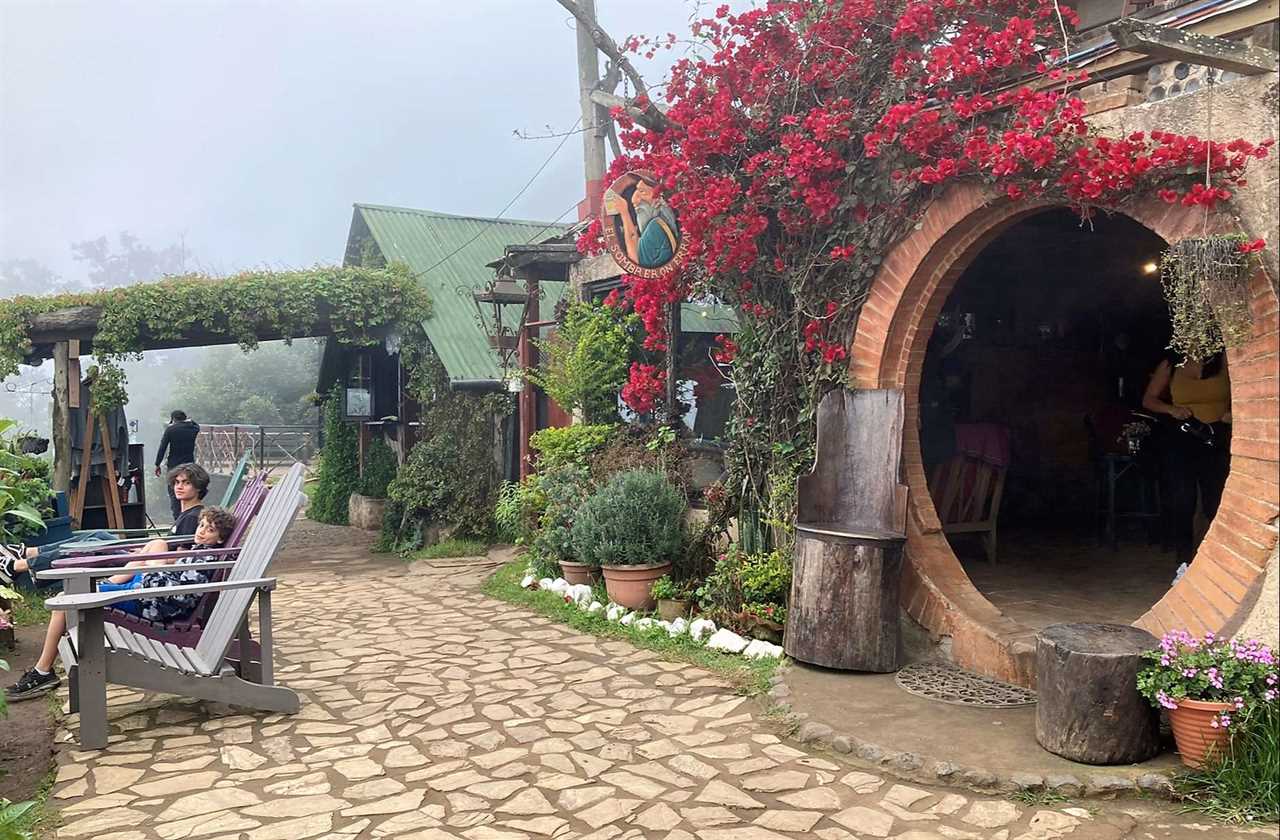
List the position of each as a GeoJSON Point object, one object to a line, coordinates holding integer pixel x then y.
{"type": "Point", "coordinates": [949, 683]}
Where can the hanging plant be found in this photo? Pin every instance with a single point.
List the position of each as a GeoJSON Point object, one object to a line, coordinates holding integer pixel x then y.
{"type": "Point", "coordinates": [1206, 283]}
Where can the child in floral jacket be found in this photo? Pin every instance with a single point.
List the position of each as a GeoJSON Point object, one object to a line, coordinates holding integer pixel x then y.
{"type": "Point", "coordinates": [213, 530]}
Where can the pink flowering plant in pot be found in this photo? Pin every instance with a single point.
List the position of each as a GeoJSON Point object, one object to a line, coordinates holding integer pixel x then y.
{"type": "Point", "coordinates": [1204, 684]}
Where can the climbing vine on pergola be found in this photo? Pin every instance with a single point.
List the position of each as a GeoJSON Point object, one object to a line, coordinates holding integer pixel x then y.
{"type": "Point", "coordinates": [355, 306]}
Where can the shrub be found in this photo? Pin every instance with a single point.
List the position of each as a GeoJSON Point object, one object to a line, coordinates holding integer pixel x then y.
{"type": "Point", "coordinates": [747, 584]}
{"type": "Point", "coordinates": [637, 518]}
{"type": "Point", "coordinates": [379, 470]}
{"type": "Point", "coordinates": [562, 490]}
{"type": "Point", "coordinates": [439, 484]}
{"type": "Point", "coordinates": [586, 361]}
{"type": "Point", "coordinates": [506, 513]}
{"type": "Point", "coordinates": [665, 589]}
{"type": "Point", "coordinates": [569, 444]}
{"type": "Point", "coordinates": [24, 487]}
{"type": "Point", "coordinates": [339, 471]}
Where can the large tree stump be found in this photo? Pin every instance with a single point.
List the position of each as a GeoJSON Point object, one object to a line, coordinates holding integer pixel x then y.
{"type": "Point", "coordinates": [1090, 710]}
{"type": "Point", "coordinates": [843, 611]}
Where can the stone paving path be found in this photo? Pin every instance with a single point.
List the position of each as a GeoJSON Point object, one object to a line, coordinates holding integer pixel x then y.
{"type": "Point", "coordinates": [431, 713]}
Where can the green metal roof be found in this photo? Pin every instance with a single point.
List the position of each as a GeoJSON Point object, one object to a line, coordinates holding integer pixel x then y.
{"type": "Point", "coordinates": [448, 255]}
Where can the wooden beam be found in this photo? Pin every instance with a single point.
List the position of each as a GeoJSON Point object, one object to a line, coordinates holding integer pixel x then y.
{"type": "Point", "coordinates": [1168, 43]}
{"type": "Point", "coordinates": [61, 419]}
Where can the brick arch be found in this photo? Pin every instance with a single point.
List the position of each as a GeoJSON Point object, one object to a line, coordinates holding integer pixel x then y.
{"type": "Point", "coordinates": [888, 351]}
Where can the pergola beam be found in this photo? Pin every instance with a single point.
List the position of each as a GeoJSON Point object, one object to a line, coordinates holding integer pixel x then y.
{"type": "Point", "coordinates": [1170, 44]}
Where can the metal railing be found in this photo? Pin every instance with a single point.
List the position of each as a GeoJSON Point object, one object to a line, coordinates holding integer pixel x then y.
{"type": "Point", "coordinates": [219, 447]}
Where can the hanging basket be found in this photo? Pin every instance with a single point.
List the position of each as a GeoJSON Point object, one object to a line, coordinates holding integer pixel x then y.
{"type": "Point", "coordinates": [1206, 284]}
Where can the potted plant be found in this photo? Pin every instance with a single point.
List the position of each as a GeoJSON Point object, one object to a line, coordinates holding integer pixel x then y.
{"type": "Point", "coordinates": [366, 507]}
{"type": "Point", "coordinates": [632, 527]}
{"type": "Point", "coordinates": [674, 600]}
{"type": "Point", "coordinates": [1202, 684]}
{"type": "Point", "coordinates": [562, 490]}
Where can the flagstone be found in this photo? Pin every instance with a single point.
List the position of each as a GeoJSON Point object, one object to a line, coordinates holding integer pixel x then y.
{"type": "Point", "coordinates": [862, 782]}
{"type": "Point", "coordinates": [545, 826]}
{"type": "Point", "coordinates": [180, 783]}
{"type": "Point", "coordinates": [112, 779]}
{"type": "Point", "coordinates": [608, 811]}
{"type": "Point", "coordinates": [527, 802]}
{"type": "Point", "coordinates": [356, 769]}
{"type": "Point", "coordinates": [406, 801]}
{"type": "Point", "coordinates": [295, 829]}
{"type": "Point", "coordinates": [776, 782]}
{"type": "Point", "coordinates": [861, 820]}
{"type": "Point", "coordinates": [497, 790]}
{"type": "Point", "coordinates": [297, 806]}
{"type": "Point", "coordinates": [204, 825]}
{"type": "Point", "coordinates": [708, 817]}
{"type": "Point", "coordinates": [721, 793]}
{"type": "Point", "coordinates": [659, 817]}
{"type": "Point", "coordinates": [373, 789]}
{"type": "Point", "coordinates": [208, 802]}
{"type": "Point", "coordinates": [780, 820]}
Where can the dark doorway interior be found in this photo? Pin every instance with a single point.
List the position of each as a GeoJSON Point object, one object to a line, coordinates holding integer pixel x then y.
{"type": "Point", "coordinates": [1041, 352]}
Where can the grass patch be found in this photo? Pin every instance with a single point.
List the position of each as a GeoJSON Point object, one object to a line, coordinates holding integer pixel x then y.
{"type": "Point", "coordinates": [1245, 786]}
{"type": "Point", "coordinates": [749, 676]}
{"type": "Point", "coordinates": [31, 611]}
{"type": "Point", "coordinates": [451, 548]}
{"type": "Point", "coordinates": [1040, 798]}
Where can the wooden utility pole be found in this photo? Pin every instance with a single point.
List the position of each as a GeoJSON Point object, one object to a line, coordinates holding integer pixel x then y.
{"type": "Point", "coordinates": [595, 119]}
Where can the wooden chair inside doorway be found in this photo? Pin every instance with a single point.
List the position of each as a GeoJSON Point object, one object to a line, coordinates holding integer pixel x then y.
{"type": "Point", "coordinates": [967, 488]}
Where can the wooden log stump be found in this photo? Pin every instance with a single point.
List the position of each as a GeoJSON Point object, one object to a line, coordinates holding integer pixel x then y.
{"type": "Point", "coordinates": [1090, 710]}
{"type": "Point", "coordinates": [843, 611]}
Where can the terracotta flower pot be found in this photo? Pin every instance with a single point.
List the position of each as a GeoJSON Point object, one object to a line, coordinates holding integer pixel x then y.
{"type": "Point", "coordinates": [1193, 730]}
{"type": "Point", "coordinates": [669, 609]}
{"type": "Point", "coordinates": [630, 585]}
{"type": "Point", "coordinates": [577, 573]}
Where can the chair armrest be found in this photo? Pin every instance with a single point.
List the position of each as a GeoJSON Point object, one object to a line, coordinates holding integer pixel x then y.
{"type": "Point", "coordinates": [97, 600]}
{"type": "Point", "coordinates": [114, 559]}
{"type": "Point", "coordinates": [120, 546]}
{"type": "Point", "coordinates": [79, 572]}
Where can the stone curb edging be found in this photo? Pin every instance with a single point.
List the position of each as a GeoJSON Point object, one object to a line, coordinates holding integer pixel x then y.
{"type": "Point", "coordinates": [912, 766]}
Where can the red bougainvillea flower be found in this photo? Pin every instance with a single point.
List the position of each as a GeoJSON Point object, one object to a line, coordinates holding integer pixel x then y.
{"type": "Point", "coordinates": [1251, 247]}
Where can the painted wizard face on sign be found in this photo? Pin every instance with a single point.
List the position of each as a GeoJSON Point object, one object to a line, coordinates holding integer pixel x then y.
{"type": "Point", "coordinates": [640, 228]}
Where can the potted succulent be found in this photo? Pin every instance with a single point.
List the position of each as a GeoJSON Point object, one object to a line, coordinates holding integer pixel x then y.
{"type": "Point", "coordinates": [632, 527]}
{"type": "Point", "coordinates": [674, 600]}
{"type": "Point", "coordinates": [1203, 684]}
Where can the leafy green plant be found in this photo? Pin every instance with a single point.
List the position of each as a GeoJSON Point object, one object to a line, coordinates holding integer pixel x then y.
{"type": "Point", "coordinates": [380, 467]}
{"type": "Point", "coordinates": [338, 474]}
{"type": "Point", "coordinates": [451, 548]}
{"type": "Point", "coordinates": [1206, 284]}
{"type": "Point", "coordinates": [747, 585]}
{"type": "Point", "coordinates": [1243, 787]}
{"type": "Point", "coordinates": [586, 361]}
{"type": "Point", "coordinates": [569, 444]}
{"type": "Point", "coordinates": [13, 820]}
{"type": "Point", "coordinates": [24, 488]}
{"type": "Point", "coordinates": [666, 589]}
{"type": "Point", "coordinates": [637, 518]}
{"type": "Point", "coordinates": [506, 512]}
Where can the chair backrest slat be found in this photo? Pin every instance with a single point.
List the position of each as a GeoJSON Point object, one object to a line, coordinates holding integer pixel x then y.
{"type": "Point", "coordinates": [232, 493]}
{"type": "Point", "coordinates": [255, 557]}
{"type": "Point", "coordinates": [246, 507]}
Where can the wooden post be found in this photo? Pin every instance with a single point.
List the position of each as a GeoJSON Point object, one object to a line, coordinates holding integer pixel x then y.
{"type": "Point", "coordinates": [528, 355]}
{"type": "Point", "coordinates": [595, 119]}
{"type": "Point", "coordinates": [110, 482]}
{"type": "Point", "coordinates": [61, 418]}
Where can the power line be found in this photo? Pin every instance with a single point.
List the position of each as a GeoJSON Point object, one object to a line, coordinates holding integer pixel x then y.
{"type": "Point", "coordinates": [513, 200]}
{"type": "Point", "coordinates": [549, 225]}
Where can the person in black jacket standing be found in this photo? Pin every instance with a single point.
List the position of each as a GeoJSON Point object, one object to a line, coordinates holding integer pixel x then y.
{"type": "Point", "coordinates": [179, 440]}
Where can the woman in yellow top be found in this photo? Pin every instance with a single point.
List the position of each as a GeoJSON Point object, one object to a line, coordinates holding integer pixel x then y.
{"type": "Point", "coordinates": [1195, 454]}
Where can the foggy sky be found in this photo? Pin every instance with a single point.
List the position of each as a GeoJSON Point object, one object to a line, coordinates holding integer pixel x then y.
{"type": "Point", "coordinates": [248, 129]}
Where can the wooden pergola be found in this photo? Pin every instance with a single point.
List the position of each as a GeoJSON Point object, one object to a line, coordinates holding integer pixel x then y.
{"type": "Point", "coordinates": [65, 335]}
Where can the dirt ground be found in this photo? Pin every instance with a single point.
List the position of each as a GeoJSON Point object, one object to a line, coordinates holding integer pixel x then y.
{"type": "Point", "coordinates": [26, 735]}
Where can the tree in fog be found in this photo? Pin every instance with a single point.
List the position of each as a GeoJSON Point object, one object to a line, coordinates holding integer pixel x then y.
{"type": "Point", "coordinates": [268, 386]}
{"type": "Point", "coordinates": [129, 261]}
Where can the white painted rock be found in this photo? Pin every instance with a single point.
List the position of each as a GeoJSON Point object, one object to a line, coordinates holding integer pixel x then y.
{"type": "Point", "coordinates": [528, 581]}
{"type": "Point", "coordinates": [677, 627]}
{"type": "Point", "coordinates": [545, 583]}
{"type": "Point", "coordinates": [642, 623]}
{"type": "Point", "coordinates": [595, 607]}
{"type": "Point", "coordinates": [701, 628]}
{"type": "Point", "coordinates": [614, 612]}
{"type": "Point", "coordinates": [760, 649]}
{"type": "Point", "coordinates": [559, 585]}
{"type": "Point", "coordinates": [627, 619]}
{"type": "Point", "coordinates": [579, 594]}
{"type": "Point", "coordinates": [726, 640]}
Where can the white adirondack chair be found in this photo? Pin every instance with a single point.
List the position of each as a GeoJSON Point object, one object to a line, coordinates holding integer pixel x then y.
{"type": "Point", "coordinates": [103, 652]}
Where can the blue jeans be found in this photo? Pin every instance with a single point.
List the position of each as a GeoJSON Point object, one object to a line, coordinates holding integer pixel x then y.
{"type": "Point", "coordinates": [53, 551]}
{"type": "Point", "coordinates": [131, 607]}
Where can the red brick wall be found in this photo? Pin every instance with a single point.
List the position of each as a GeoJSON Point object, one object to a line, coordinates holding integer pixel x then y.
{"type": "Point", "coordinates": [888, 352]}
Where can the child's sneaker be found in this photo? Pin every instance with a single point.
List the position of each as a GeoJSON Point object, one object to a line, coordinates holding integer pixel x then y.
{"type": "Point", "coordinates": [32, 684]}
{"type": "Point", "coordinates": [8, 565]}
